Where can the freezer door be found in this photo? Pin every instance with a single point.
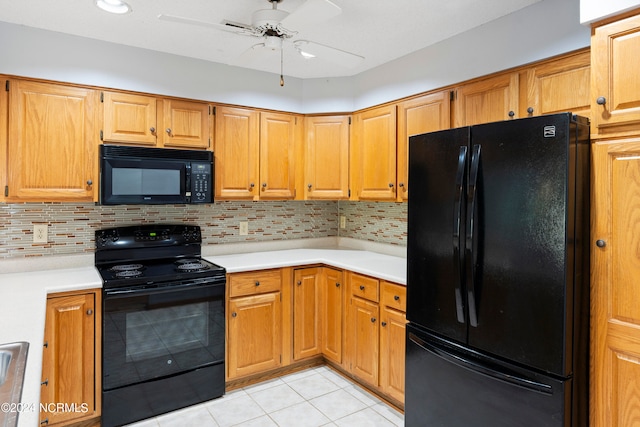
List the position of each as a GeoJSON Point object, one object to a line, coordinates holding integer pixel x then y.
{"type": "Point", "coordinates": [447, 386]}
{"type": "Point", "coordinates": [521, 240]}
{"type": "Point", "coordinates": [438, 163]}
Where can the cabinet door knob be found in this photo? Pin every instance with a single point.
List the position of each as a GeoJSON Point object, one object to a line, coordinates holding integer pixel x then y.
{"type": "Point", "coordinates": [362, 287]}
{"type": "Point", "coordinates": [530, 110]}
{"type": "Point", "coordinates": [337, 285]}
{"type": "Point", "coordinates": [45, 382]}
{"type": "Point", "coordinates": [44, 422]}
{"type": "Point", "coordinates": [601, 243]}
{"type": "Point", "coordinates": [299, 282]}
{"type": "Point", "coordinates": [251, 186]}
{"type": "Point", "coordinates": [391, 185]}
{"type": "Point", "coordinates": [401, 185]}
{"type": "Point", "coordinates": [152, 130]}
{"type": "Point", "coordinates": [264, 185]}
{"type": "Point", "coordinates": [396, 298]}
{"type": "Point", "coordinates": [89, 182]}
{"type": "Point", "coordinates": [601, 100]}
{"type": "Point", "coordinates": [383, 324]}
{"type": "Point", "coordinates": [234, 314]}
{"type": "Point", "coordinates": [89, 312]}
{"type": "Point", "coordinates": [373, 320]}
{"type": "Point", "coordinates": [257, 283]}
{"type": "Point", "coordinates": [511, 113]}
{"type": "Point", "coordinates": [309, 186]}
{"type": "Point", "coordinates": [168, 131]}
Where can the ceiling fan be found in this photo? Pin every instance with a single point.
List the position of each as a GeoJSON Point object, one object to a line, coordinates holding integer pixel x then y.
{"type": "Point", "coordinates": [276, 30]}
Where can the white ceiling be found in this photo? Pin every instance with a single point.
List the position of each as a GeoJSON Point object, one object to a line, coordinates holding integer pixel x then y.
{"type": "Point", "coordinates": [378, 30]}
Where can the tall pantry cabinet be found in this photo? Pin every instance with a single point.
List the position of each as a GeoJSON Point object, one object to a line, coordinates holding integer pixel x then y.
{"type": "Point", "coordinates": [615, 213]}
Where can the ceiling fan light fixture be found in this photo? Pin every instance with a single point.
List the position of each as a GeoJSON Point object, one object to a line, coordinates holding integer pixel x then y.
{"type": "Point", "coordinates": [306, 55]}
{"type": "Point", "coordinates": [114, 6]}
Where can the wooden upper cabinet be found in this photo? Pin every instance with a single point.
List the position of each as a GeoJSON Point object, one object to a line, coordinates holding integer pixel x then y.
{"type": "Point", "coordinates": [186, 124]}
{"type": "Point", "coordinates": [615, 86]}
{"type": "Point", "coordinates": [52, 142]}
{"type": "Point", "coordinates": [278, 134]}
{"type": "Point", "coordinates": [236, 143]}
{"type": "Point", "coordinates": [129, 118]}
{"type": "Point", "coordinates": [326, 157]}
{"type": "Point", "coordinates": [615, 318]}
{"type": "Point", "coordinates": [373, 159]}
{"type": "Point", "coordinates": [489, 100]}
{"type": "Point", "coordinates": [558, 86]}
{"type": "Point", "coordinates": [427, 113]}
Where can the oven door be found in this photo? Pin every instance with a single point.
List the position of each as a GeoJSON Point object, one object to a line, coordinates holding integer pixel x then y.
{"type": "Point", "coordinates": [160, 331]}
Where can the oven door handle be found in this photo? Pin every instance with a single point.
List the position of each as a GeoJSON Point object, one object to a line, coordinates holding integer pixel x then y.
{"type": "Point", "coordinates": [142, 290]}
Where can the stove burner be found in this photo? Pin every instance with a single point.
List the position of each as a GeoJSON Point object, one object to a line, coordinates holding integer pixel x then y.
{"type": "Point", "coordinates": [192, 266]}
{"type": "Point", "coordinates": [128, 274]}
{"type": "Point", "coordinates": [126, 267]}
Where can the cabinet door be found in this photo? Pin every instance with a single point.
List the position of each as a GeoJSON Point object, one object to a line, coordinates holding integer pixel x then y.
{"type": "Point", "coordinates": [129, 118]}
{"type": "Point", "coordinates": [364, 350]}
{"type": "Point", "coordinates": [373, 169]}
{"type": "Point", "coordinates": [186, 124]}
{"type": "Point", "coordinates": [237, 135]}
{"type": "Point", "coordinates": [69, 357]}
{"type": "Point", "coordinates": [332, 297]}
{"type": "Point", "coordinates": [615, 333]}
{"type": "Point", "coordinates": [615, 86]}
{"type": "Point", "coordinates": [392, 346]}
{"type": "Point", "coordinates": [254, 334]}
{"type": "Point", "coordinates": [427, 113]}
{"type": "Point", "coordinates": [306, 313]}
{"type": "Point", "coordinates": [277, 143]}
{"type": "Point", "coordinates": [558, 86]}
{"type": "Point", "coordinates": [490, 100]}
{"type": "Point", "coordinates": [327, 157]}
{"type": "Point", "coordinates": [52, 142]}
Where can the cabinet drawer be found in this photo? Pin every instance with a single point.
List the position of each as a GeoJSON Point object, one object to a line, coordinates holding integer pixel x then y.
{"type": "Point", "coordinates": [364, 287]}
{"type": "Point", "coordinates": [254, 282]}
{"type": "Point", "coordinates": [394, 296]}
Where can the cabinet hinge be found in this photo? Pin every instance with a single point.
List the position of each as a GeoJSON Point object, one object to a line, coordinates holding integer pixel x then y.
{"type": "Point", "coordinates": [452, 95]}
{"type": "Point", "coordinates": [349, 193]}
{"type": "Point", "coordinates": [280, 358]}
{"type": "Point", "coordinates": [214, 111]}
{"type": "Point", "coordinates": [295, 120]}
{"type": "Point", "coordinates": [349, 120]}
{"type": "Point", "coordinates": [101, 135]}
{"type": "Point", "coordinates": [6, 191]}
{"type": "Point", "coordinates": [6, 85]}
{"type": "Point", "coordinates": [101, 96]}
{"type": "Point", "coordinates": [209, 142]}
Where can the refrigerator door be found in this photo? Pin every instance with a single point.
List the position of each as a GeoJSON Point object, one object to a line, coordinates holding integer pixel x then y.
{"type": "Point", "coordinates": [448, 386]}
{"type": "Point", "coordinates": [520, 241]}
{"type": "Point", "coordinates": [436, 299]}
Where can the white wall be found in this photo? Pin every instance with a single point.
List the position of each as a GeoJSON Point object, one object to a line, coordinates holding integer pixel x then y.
{"type": "Point", "coordinates": [595, 10]}
{"type": "Point", "coordinates": [544, 29]}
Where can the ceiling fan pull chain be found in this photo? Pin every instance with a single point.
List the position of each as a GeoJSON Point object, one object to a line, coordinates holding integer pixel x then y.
{"type": "Point", "coordinates": [281, 68]}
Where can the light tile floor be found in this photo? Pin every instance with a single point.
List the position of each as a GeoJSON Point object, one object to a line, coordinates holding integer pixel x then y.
{"type": "Point", "coordinates": [311, 398]}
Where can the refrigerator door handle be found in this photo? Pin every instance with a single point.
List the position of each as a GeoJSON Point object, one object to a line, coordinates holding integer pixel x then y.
{"type": "Point", "coordinates": [457, 225]}
{"type": "Point", "coordinates": [472, 235]}
{"type": "Point", "coordinates": [504, 375]}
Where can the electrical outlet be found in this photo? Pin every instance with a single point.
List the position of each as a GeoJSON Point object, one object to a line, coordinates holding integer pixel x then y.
{"type": "Point", "coordinates": [343, 221]}
{"type": "Point", "coordinates": [40, 233]}
{"type": "Point", "coordinates": [244, 228]}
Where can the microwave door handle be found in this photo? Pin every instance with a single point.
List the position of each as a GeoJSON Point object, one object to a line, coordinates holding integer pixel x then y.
{"type": "Point", "coordinates": [187, 183]}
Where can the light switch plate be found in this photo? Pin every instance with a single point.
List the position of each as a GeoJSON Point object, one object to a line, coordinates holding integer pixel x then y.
{"type": "Point", "coordinates": [244, 228]}
{"type": "Point", "coordinates": [343, 221]}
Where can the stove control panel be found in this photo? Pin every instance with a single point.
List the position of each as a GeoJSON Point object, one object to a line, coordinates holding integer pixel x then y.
{"type": "Point", "coordinates": [148, 235]}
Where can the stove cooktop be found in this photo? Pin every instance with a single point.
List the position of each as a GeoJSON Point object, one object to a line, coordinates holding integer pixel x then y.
{"type": "Point", "coordinates": [155, 271]}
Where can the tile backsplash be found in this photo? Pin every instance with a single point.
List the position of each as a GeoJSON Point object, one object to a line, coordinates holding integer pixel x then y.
{"type": "Point", "coordinates": [71, 226]}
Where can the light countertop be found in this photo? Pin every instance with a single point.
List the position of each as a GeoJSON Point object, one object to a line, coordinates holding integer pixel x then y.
{"type": "Point", "coordinates": [23, 294]}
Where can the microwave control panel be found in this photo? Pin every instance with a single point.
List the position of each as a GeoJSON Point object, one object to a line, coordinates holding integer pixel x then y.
{"type": "Point", "coordinates": [201, 191]}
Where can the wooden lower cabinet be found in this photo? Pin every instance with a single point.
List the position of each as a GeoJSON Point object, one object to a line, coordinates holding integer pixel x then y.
{"type": "Point", "coordinates": [71, 361]}
{"type": "Point", "coordinates": [393, 322]}
{"type": "Point", "coordinates": [306, 316]}
{"type": "Point", "coordinates": [332, 314]}
{"type": "Point", "coordinates": [364, 342]}
{"type": "Point", "coordinates": [254, 322]}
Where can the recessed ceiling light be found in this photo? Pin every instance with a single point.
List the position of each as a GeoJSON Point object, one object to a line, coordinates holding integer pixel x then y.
{"type": "Point", "coordinates": [113, 6]}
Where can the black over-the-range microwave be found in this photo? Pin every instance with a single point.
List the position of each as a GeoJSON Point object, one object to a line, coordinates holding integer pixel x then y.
{"type": "Point", "coordinates": [136, 175]}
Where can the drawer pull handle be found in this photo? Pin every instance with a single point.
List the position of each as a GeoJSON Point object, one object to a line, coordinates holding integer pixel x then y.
{"type": "Point", "coordinates": [299, 282]}
{"type": "Point", "coordinates": [362, 287]}
{"type": "Point", "coordinates": [383, 324]}
{"type": "Point", "coordinates": [257, 283]}
{"type": "Point", "coordinates": [601, 100]}
{"type": "Point", "coordinates": [45, 382]}
{"type": "Point", "coordinates": [89, 312]}
{"type": "Point", "coordinates": [234, 314]}
{"type": "Point", "coordinates": [337, 285]}
{"type": "Point", "coordinates": [396, 297]}
{"type": "Point", "coordinates": [373, 320]}
{"type": "Point", "coordinates": [601, 243]}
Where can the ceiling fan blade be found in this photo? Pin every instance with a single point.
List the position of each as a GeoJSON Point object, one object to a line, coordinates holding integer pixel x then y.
{"type": "Point", "coordinates": [254, 55]}
{"type": "Point", "coordinates": [337, 56]}
{"type": "Point", "coordinates": [311, 12]}
{"type": "Point", "coordinates": [231, 27]}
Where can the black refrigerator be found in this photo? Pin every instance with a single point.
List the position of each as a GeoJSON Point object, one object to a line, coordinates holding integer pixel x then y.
{"type": "Point", "coordinates": [498, 275]}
